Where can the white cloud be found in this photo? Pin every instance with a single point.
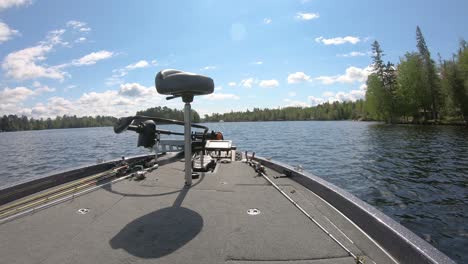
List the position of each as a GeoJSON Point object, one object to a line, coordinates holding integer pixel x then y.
{"type": "Point", "coordinates": [353, 54]}
{"type": "Point", "coordinates": [11, 99]}
{"type": "Point", "coordinates": [315, 100]}
{"type": "Point", "coordinates": [338, 40]}
{"type": "Point", "coordinates": [44, 89]}
{"type": "Point", "coordinates": [75, 24]}
{"type": "Point", "coordinates": [232, 84]}
{"type": "Point", "coordinates": [23, 64]}
{"type": "Point", "coordinates": [135, 90]}
{"type": "Point", "coordinates": [307, 16]}
{"type": "Point", "coordinates": [6, 33]}
{"type": "Point", "coordinates": [351, 75]}
{"type": "Point", "coordinates": [298, 77]}
{"type": "Point", "coordinates": [118, 74]}
{"type": "Point", "coordinates": [207, 68]}
{"type": "Point", "coordinates": [78, 25]}
{"type": "Point", "coordinates": [80, 40]}
{"type": "Point", "coordinates": [267, 20]}
{"type": "Point", "coordinates": [294, 103]}
{"type": "Point", "coordinates": [292, 94]}
{"type": "Point", "coordinates": [269, 83]}
{"type": "Point", "coordinates": [257, 62]}
{"type": "Point", "coordinates": [352, 95]}
{"type": "Point", "coordinates": [221, 96]}
{"type": "Point", "coordinates": [122, 102]}
{"type": "Point", "coordinates": [137, 65]}
{"type": "Point", "coordinates": [29, 63]}
{"type": "Point", "coordinates": [93, 57]}
{"type": "Point", "coordinates": [219, 88]}
{"type": "Point", "coordinates": [4, 4]}
{"type": "Point", "coordinates": [15, 95]}
{"type": "Point", "coordinates": [247, 83]}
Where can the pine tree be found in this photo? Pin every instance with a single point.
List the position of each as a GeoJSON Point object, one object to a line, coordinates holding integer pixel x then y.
{"type": "Point", "coordinates": [431, 79]}
{"type": "Point", "coordinates": [381, 88]}
{"type": "Point", "coordinates": [377, 54]}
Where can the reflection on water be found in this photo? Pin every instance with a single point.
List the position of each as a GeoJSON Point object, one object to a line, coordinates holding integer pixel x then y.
{"type": "Point", "coordinates": [416, 174]}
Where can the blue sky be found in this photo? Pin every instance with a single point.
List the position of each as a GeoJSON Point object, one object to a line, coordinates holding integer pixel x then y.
{"type": "Point", "coordinates": [100, 57]}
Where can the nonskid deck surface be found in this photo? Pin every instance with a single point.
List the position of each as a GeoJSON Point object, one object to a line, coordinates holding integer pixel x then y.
{"type": "Point", "coordinates": [158, 221]}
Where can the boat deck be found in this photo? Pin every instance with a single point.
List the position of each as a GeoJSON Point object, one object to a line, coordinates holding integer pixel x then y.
{"type": "Point", "coordinates": [157, 220]}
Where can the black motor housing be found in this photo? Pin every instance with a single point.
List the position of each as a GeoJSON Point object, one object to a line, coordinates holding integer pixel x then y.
{"type": "Point", "coordinates": [147, 134]}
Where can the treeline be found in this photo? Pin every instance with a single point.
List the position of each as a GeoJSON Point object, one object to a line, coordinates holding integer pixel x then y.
{"type": "Point", "coordinates": [419, 90]}
{"type": "Point", "coordinates": [326, 111]}
{"type": "Point", "coordinates": [21, 123]}
{"type": "Point", "coordinates": [169, 113]}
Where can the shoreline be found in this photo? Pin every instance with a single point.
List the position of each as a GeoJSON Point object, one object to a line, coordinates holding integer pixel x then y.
{"type": "Point", "coordinates": [457, 123]}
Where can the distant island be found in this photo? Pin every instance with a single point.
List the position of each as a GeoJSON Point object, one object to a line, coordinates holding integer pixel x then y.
{"type": "Point", "coordinates": [415, 91]}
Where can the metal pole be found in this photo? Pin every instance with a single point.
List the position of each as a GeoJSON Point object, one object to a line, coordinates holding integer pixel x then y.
{"type": "Point", "coordinates": [188, 145]}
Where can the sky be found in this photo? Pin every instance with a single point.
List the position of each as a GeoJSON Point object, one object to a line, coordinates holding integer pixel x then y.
{"type": "Point", "coordinates": [101, 57]}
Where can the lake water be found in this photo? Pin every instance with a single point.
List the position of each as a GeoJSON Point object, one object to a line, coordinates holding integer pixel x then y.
{"type": "Point", "coordinates": [417, 175]}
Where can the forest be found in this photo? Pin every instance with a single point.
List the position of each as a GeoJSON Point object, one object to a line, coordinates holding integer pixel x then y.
{"type": "Point", "coordinates": [22, 123]}
{"type": "Point", "coordinates": [326, 111]}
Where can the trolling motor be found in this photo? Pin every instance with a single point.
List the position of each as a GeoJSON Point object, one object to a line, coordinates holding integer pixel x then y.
{"type": "Point", "coordinates": [148, 134]}
{"type": "Point", "coordinates": [177, 84]}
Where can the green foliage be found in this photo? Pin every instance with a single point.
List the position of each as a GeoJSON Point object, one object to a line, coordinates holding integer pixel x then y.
{"type": "Point", "coordinates": [381, 88]}
{"type": "Point", "coordinates": [416, 90]}
{"type": "Point", "coordinates": [326, 111]}
{"type": "Point", "coordinates": [455, 83]}
{"type": "Point", "coordinates": [375, 97]}
{"type": "Point", "coordinates": [169, 113]}
{"type": "Point", "coordinates": [430, 78]}
{"type": "Point", "coordinates": [15, 123]}
{"type": "Point", "coordinates": [412, 94]}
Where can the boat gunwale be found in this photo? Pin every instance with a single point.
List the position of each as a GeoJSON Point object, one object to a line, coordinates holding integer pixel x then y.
{"type": "Point", "coordinates": [22, 189]}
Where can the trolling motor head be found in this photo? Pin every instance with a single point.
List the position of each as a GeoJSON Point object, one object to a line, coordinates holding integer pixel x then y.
{"type": "Point", "coordinates": [146, 134]}
{"type": "Point", "coordinates": [146, 130]}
